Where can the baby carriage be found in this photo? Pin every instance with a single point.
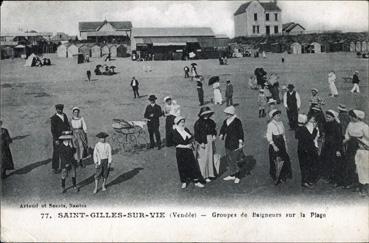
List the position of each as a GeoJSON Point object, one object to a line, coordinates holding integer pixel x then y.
{"type": "Point", "coordinates": [129, 135]}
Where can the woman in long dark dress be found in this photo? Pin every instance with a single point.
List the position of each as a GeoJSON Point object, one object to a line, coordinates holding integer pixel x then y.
{"type": "Point", "coordinates": [280, 166]}
{"type": "Point", "coordinates": [188, 167]}
{"type": "Point", "coordinates": [6, 155]}
{"type": "Point", "coordinates": [330, 157]}
{"type": "Point", "coordinates": [307, 134]}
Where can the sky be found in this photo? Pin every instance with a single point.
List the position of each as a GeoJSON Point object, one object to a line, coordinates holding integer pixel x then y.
{"type": "Point", "coordinates": [63, 16]}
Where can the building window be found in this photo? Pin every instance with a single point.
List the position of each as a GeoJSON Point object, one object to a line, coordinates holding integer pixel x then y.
{"type": "Point", "coordinates": [255, 16]}
{"type": "Point", "coordinates": [257, 29]}
{"type": "Point", "coordinates": [267, 17]}
{"type": "Point", "coordinates": [276, 29]}
{"type": "Point", "coordinates": [267, 29]}
{"type": "Point", "coordinates": [276, 17]}
{"type": "Point", "coordinates": [253, 29]}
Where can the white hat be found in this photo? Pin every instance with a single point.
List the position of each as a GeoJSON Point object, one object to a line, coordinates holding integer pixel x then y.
{"type": "Point", "coordinates": [342, 107]}
{"type": "Point", "coordinates": [272, 101]}
{"type": "Point", "coordinates": [302, 119]}
{"type": "Point", "coordinates": [178, 119]}
{"type": "Point", "coordinates": [274, 112]}
{"type": "Point", "coordinates": [359, 114]}
{"type": "Point", "coordinates": [76, 108]}
{"type": "Point", "coordinates": [333, 113]}
{"type": "Point", "coordinates": [230, 110]}
{"type": "Point", "coordinates": [167, 98]}
{"type": "Point", "coordinates": [315, 89]}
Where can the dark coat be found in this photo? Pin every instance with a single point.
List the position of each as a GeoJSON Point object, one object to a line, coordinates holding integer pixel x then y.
{"type": "Point", "coordinates": [5, 153]}
{"type": "Point", "coordinates": [204, 127]}
{"type": "Point", "coordinates": [58, 126]}
{"type": "Point", "coordinates": [177, 138]}
{"type": "Point", "coordinates": [156, 112]}
{"type": "Point", "coordinates": [305, 139]}
{"type": "Point", "coordinates": [136, 83]}
{"type": "Point", "coordinates": [229, 90]}
{"type": "Point", "coordinates": [66, 154]}
{"type": "Point", "coordinates": [355, 79]}
{"type": "Point", "coordinates": [232, 133]}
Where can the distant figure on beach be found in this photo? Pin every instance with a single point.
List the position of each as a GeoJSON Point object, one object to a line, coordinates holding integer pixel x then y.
{"type": "Point", "coordinates": [88, 75]}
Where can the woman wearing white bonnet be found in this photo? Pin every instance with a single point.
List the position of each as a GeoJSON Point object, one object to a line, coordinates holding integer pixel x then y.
{"type": "Point", "coordinates": [357, 136]}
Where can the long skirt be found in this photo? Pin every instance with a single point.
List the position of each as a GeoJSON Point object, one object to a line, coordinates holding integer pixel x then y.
{"type": "Point", "coordinates": [80, 143]}
{"type": "Point", "coordinates": [328, 162]}
{"type": "Point", "coordinates": [362, 165]}
{"type": "Point", "coordinates": [308, 164]}
{"type": "Point", "coordinates": [350, 176]}
{"type": "Point", "coordinates": [205, 157]}
{"type": "Point", "coordinates": [188, 167]}
{"type": "Point", "coordinates": [6, 158]}
{"type": "Point", "coordinates": [169, 121]}
{"type": "Point", "coordinates": [286, 171]}
{"type": "Point", "coordinates": [217, 97]}
{"type": "Point", "coordinates": [332, 88]}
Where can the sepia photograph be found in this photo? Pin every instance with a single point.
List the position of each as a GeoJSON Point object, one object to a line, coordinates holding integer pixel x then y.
{"type": "Point", "coordinates": [184, 121]}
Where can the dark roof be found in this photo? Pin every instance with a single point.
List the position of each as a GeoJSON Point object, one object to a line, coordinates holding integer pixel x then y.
{"type": "Point", "coordinates": [268, 6]}
{"type": "Point", "coordinates": [172, 32]}
{"type": "Point", "coordinates": [290, 26]}
{"type": "Point", "coordinates": [93, 26]}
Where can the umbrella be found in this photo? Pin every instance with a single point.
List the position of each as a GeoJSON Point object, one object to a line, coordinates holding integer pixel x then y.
{"type": "Point", "coordinates": [193, 64]}
{"type": "Point", "coordinates": [213, 80]}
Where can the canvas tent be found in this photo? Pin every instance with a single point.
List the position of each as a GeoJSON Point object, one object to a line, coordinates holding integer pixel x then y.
{"type": "Point", "coordinates": [364, 46]}
{"type": "Point", "coordinates": [113, 50]}
{"type": "Point", "coordinates": [72, 50]}
{"type": "Point", "coordinates": [296, 48]}
{"type": "Point", "coordinates": [358, 46]}
{"type": "Point", "coordinates": [95, 51]}
{"type": "Point", "coordinates": [62, 50]}
{"type": "Point", "coordinates": [29, 60]}
{"type": "Point", "coordinates": [352, 46]}
{"type": "Point", "coordinates": [85, 50]}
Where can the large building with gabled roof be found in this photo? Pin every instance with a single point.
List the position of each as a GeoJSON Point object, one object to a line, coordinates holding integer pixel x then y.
{"type": "Point", "coordinates": [256, 18]}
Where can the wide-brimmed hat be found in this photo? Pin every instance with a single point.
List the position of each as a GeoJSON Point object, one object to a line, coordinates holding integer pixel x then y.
{"type": "Point", "coordinates": [342, 107]}
{"type": "Point", "coordinates": [359, 114]}
{"type": "Point", "coordinates": [333, 114]}
{"type": "Point", "coordinates": [66, 135]}
{"type": "Point", "coordinates": [315, 108]}
{"type": "Point", "coordinates": [302, 119]}
{"type": "Point", "coordinates": [272, 101]}
{"type": "Point", "coordinates": [230, 110]}
{"type": "Point", "coordinates": [205, 111]}
{"type": "Point", "coordinates": [178, 119]}
{"type": "Point", "coordinates": [76, 108]}
{"type": "Point", "coordinates": [261, 90]}
{"type": "Point", "coordinates": [284, 87]}
{"type": "Point", "coordinates": [59, 106]}
{"type": "Point", "coordinates": [356, 71]}
{"type": "Point", "coordinates": [290, 86]}
{"type": "Point", "coordinates": [167, 98]}
{"type": "Point", "coordinates": [315, 90]}
{"type": "Point", "coordinates": [102, 135]}
{"type": "Point", "coordinates": [152, 97]}
{"type": "Point", "coordinates": [274, 112]}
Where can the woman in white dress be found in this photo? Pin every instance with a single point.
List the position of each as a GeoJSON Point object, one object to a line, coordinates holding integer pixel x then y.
{"type": "Point", "coordinates": [358, 131]}
{"type": "Point", "coordinates": [332, 85]}
{"type": "Point", "coordinates": [217, 94]}
{"type": "Point", "coordinates": [79, 128]}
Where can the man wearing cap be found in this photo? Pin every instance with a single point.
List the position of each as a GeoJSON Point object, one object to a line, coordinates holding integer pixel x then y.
{"type": "Point", "coordinates": [134, 85]}
{"type": "Point", "coordinates": [355, 81]}
{"type": "Point", "coordinates": [229, 93]}
{"type": "Point", "coordinates": [152, 113]}
{"type": "Point", "coordinates": [292, 103]}
{"type": "Point", "coordinates": [59, 123]}
{"type": "Point", "coordinates": [234, 137]}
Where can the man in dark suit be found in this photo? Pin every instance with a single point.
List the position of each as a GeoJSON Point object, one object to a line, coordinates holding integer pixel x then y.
{"type": "Point", "coordinates": [134, 85]}
{"type": "Point", "coordinates": [229, 93]}
{"type": "Point", "coordinates": [152, 113]}
{"type": "Point", "coordinates": [59, 123]}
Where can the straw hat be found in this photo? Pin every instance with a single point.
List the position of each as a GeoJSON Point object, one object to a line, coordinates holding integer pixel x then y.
{"type": "Point", "coordinates": [315, 90]}
{"type": "Point", "coordinates": [76, 108]}
{"type": "Point", "coordinates": [167, 98]}
{"type": "Point", "coordinates": [178, 119]}
{"type": "Point", "coordinates": [302, 119]}
{"type": "Point", "coordinates": [342, 107]}
{"type": "Point", "coordinates": [274, 112]}
{"type": "Point", "coordinates": [333, 114]}
{"type": "Point", "coordinates": [272, 101]}
{"type": "Point", "coordinates": [230, 110]}
{"type": "Point", "coordinates": [359, 114]}
{"type": "Point", "coordinates": [102, 135]}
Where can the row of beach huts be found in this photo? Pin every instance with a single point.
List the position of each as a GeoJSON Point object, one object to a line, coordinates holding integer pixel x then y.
{"type": "Point", "coordinates": [68, 50]}
{"type": "Point", "coordinates": [315, 47]}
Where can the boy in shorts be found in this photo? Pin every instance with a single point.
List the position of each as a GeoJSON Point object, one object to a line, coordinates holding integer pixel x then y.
{"type": "Point", "coordinates": [102, 160]}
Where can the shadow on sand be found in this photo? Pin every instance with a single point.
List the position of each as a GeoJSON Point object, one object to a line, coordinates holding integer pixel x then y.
{"type": "Point", "coordinates": [28, 168]}
{"type": "Point", "coordinates": [125, 177]}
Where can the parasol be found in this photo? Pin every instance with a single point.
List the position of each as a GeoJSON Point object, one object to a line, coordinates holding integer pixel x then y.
{"type": "Point", "coordinates": [213, 80]}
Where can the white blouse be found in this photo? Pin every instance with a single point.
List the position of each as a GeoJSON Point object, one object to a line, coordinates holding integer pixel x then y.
{"type": "Point", "coordinates": [102, 151]}
{"type": "Point", "coordinates": [274, 128]}
{"type": "Point", "coordinates": [78, 123]}
{"type": "Point", "coordinates": [358, 130]}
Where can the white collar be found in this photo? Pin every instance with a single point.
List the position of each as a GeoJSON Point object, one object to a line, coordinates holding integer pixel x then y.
{"type": "Point", "coordinates": [184, 134]}
{"type": "Point", "coordinates": [230, 119]}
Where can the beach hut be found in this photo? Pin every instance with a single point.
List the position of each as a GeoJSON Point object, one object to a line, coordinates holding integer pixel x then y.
{"type": "Point", "coordinates": [105, 50]}
{"type": "Point", "coordinates": [122, 51]}
{"type": "Point", "coordinates": [316, 47]}
{"type": "Point", "coordinates": [7, 52]}
{"type": "Point", "coordinates": [358, 46]}
{"type": "Point", "coordinates": [352, 46]}
{"type": "Point", "coordinates": [113, 50]}
{"type": "Point", "coordinates": [85, 50]}
{"type": "Point", "coordinates": [364, 46]}
{"type": "Point", "coordinates": [72, 50]}
{"type": "Point", "coordinates": [62, 50]}
{"type": "Point", "coordinates": [95, 51]}
{"type": "Point", "coordinates": [296, 48]}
